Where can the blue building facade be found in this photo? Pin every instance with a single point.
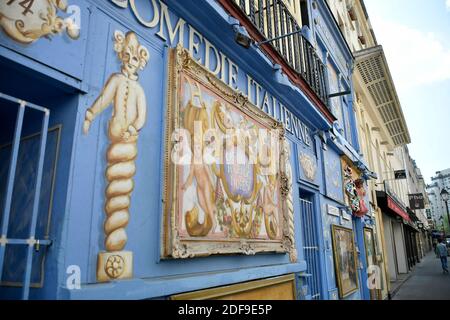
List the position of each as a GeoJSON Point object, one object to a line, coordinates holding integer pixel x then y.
{"type": "Point", "coordinates": [69, 79]}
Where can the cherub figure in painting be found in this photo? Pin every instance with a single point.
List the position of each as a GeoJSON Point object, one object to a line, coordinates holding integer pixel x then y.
{"type": "Point", "coordinates": [270, 208]}
{"type": "Point", "coordinates": [195, 114]}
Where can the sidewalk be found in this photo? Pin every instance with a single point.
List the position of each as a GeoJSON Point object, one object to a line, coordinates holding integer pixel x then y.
{"type": "Point", "coordinates": [426, 282]}
{"type": "Point", "coordinates": [396, 285]}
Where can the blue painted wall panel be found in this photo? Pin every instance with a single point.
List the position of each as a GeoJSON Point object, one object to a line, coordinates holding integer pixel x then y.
{"type": "Point", "coordinates": [59, 51]}
{"type": "Point", "coordinates": [89, 183]}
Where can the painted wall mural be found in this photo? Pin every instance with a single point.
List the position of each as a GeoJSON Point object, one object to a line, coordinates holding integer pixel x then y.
{"type": "Point", "coordinates": [227, 171]}
{"type": "Point", "coordinates": [29, 20]}
{"type": "Point", "coordinates": [333, 175]}
{"type": "Point", "coordinates": [127, 96]}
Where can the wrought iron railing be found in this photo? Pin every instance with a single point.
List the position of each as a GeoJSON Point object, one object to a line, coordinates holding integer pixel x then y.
{"type": "Point", "coordinates": [272, 19]}
{"type": "Point", "coordinates": [31, 244]}
{"type": "Point", "coordinates": [311, 248]}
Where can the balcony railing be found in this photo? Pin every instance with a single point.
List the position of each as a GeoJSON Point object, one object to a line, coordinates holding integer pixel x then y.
{"type": "Point", "coordinates": [273, 19]}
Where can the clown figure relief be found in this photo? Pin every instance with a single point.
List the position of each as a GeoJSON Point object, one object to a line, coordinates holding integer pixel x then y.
{"type": "Point", "coordinates": [127, 97]}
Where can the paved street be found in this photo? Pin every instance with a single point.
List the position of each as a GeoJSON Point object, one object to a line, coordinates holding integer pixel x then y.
{"type": "Point", "coordinates": [427, 282]}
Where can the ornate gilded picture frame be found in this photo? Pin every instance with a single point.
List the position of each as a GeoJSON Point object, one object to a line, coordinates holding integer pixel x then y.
{"type": "Point", "coordinates": [227, 175]}
{"type": "Point", "coordinates": [345, 260]}
{"type": "Point", "coordinates": [277, 288]}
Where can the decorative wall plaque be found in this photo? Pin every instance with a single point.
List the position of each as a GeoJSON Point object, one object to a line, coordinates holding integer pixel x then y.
{"type": "Point", "coordinates": [26, 21]}
{"type": "Point", "coordinates": [309, 166]}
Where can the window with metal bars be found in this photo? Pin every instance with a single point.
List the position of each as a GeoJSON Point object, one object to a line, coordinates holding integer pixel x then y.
{"type": "Point", "coordinates": [311, 248]}
{"type": "Point", "coordinates": [26, 178]}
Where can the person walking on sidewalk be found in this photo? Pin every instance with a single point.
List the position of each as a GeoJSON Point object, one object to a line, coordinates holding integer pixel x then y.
{"type": "Point", "coordinates": [441, 251]}
{"type": "Point", "coordinates": [435, 242]}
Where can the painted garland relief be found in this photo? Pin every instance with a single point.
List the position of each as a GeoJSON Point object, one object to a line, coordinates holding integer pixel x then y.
{"type": "Point", "coordinates": [26, 21]}
{"type": "Point", "coordinates": [225, 190]}
{"type": "Point", "coordinates": [354, 190]}
{"type": "Point", "coordinates": [309, 166]}
{"type": "Point", "coordinates": [124, 92]}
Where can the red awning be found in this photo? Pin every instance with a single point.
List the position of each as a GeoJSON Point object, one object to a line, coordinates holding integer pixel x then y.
{"type": "Point", "coordinates": [396, 208]}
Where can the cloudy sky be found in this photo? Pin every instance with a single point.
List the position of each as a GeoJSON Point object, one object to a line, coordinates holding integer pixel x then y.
{"type": "Point", "coordinates": [415, 35]}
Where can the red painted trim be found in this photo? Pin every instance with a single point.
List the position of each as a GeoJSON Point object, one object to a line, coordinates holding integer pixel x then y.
{"type": "Point", "coordinates": [237, 13]}
{"type": "Point", "coordinates": [396, 208]}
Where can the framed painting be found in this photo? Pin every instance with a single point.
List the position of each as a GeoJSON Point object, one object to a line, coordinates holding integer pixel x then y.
{"type": "Point", "coordinates": [345, 260]}
{"type": "Point", "coordinates": [227, 184]}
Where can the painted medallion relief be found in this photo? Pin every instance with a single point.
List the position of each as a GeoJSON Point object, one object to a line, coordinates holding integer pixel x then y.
{"type": "Point", "coordinates": [26, 21]}
{"type": "Point", "coordinates": [308, 164]}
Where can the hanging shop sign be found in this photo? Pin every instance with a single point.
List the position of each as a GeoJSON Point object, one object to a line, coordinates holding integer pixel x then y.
{"type": "Point", "coordinates": [228, 180]}
{"type": "Point", "coordinates": [416, 201]}
{"type": "Point", "coordinates": [400, 174]}
{"type": "Point", "coordinates": [221, 66]}
{"type": "Point", "coordinates": [354, 189]}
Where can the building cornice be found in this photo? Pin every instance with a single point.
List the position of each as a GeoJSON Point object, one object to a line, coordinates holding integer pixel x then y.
{"type": "Point", "coordinates": [372, 67]}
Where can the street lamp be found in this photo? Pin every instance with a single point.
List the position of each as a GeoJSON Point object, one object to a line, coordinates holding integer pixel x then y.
{"type": "Point", "coordinates": [445, 197]}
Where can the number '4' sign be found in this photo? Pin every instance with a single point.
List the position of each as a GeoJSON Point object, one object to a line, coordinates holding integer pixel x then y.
{"type": "Point", "coordinates": [25, 4]}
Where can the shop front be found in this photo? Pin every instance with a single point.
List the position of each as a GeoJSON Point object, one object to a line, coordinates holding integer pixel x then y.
{"type": "Point", "coordinates": [170, 161]}
{"type": "Point", "coordinates": [412, 237]}
{"type": "Point", "coordinates": [395, 218]}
